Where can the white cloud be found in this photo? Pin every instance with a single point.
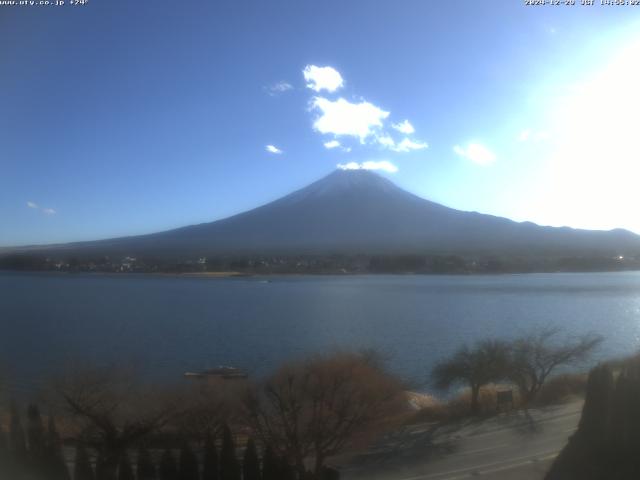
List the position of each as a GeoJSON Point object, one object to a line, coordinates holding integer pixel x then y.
{"type": "Point", "coordinates": [322, 78]}
{"type": "Point", "coordinates": [477, 153]}
{"type": "Point", "coordinates": [341, 117]}
{"type": "Point", "coordinates": [404, 127]}
{"type": "Point", "coordinates": [331, 144]}
{"type": "Point", "coordinates": [406, 145]}
{"type": "Point", "coordinates": [386, 141]}
{"type": "Point", "coordinates": [379, 165]}
{"type": "Point", "coordinates": [349, 166]}
{"type": "Point", "coordinates": [278, 88]}
{"type": "Point", "coordinates": [273, 149]}
{"type": "Point", "coordinates": [35, 206]}
{"type": "Point", "coordinates": [360, 119]}
{"type": "Point", "coordinates": [383, 165]}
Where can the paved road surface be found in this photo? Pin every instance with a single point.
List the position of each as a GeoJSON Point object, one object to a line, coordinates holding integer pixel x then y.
{"type": "Point", "coordinates": [510, 446]}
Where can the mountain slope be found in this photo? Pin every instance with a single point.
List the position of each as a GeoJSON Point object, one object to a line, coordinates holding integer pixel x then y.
{"type": "Point", "coordinates": [362, 212]}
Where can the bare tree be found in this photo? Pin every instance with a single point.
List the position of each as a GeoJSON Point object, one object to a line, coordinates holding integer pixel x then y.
{"type": "Point", "coordinates": [312, 409]}
{"type": "Point", "coordinates": [475, 367]}
{"type": "Point", "coordinates": [535, 356]}
{"type": "Point", "coordinates": [207, 405]}
{"type": "Point", "coordinates": [114, 411]}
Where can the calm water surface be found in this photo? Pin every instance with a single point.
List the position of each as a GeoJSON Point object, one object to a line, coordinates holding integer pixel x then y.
{"type": "Point", "coordinates": [168, 325]}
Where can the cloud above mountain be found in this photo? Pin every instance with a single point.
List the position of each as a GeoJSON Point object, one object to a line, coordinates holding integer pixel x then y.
{"type": "Point", "coordinates": [404, 127]}
{"type": "Point", "coordinates": [403, 146]}
{"type": "Point", "coordinates": [341, 117]}
{"type": "Point", "coordinates": [477, 153]}
{"type": "Point", "coordinates": [383, 165]}
{"type": "Point", "coordinates": [361, 120]}
{"type": "Point", "coordinates": [349, 122]}
{"type": "Point", "coordinates": [322, 78]}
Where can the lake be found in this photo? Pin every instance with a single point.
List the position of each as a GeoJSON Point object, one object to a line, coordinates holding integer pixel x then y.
{"type": "Point", "coordinates": [167, 325]}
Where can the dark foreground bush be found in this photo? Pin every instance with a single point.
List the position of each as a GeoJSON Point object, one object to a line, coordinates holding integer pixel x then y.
{"type": "Point", "coordinates": [607, 443]}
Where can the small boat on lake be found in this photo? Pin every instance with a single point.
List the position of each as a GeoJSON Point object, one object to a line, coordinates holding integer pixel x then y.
{"type": "Point", "coordinates": [221, 372]}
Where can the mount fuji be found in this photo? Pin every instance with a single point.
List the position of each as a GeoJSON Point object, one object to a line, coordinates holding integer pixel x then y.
{"type": "Point", "coordinates": [358, 211]}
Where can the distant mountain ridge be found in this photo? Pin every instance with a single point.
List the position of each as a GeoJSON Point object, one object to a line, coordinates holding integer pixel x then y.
{"type": "Point", "coordinates": [358, 211]}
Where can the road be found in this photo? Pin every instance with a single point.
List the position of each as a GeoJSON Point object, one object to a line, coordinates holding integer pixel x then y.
{"type": "Point", "coordinates": [509, 446]}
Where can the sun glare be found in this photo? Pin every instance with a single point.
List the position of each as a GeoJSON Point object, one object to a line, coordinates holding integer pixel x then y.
{"type": "Point", "coordinates": [595, 165]}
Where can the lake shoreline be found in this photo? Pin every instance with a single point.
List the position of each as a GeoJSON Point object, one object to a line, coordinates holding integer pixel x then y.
{"type": "Point", "coordinates": [235, 274]}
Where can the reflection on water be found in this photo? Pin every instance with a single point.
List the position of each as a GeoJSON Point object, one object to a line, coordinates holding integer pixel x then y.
{"type": "Point", "coordinates": [167, 325]}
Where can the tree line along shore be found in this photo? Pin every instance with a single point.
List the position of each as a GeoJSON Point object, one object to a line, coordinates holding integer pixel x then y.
{"type": "Point", "coordinates": [226, 265]}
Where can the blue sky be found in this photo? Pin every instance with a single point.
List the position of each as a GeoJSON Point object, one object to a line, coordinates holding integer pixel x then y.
{"type": "Point", "coordinates": [123, 117]}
